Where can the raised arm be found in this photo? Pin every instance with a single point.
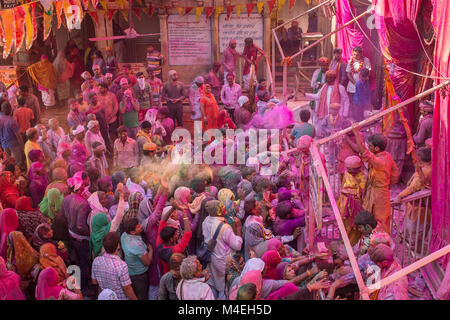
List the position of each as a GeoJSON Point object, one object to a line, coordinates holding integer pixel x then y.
{"type": "Point", "coordinates": [115, 223]}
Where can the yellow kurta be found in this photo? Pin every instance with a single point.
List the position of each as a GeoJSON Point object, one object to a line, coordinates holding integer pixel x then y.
{"type": "Point", "coordinates": [30, 145]}
{"type": "Point", "coordinates": [383, 172]}
{"type": "Point", "coordinates": [350, 201]}
{"type": "Point", "coordinates": [416, 184]}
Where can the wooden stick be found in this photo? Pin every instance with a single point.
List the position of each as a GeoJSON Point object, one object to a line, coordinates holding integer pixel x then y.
{"type": "Point", "coordinates": [383, 113]}
{"type": "Point", "coordinates": [412, 267]}
{"type": "Point", "coordinates": [330, 34]}
{"type": "Point", "coordinates": [278, 44]}
{"type": "Point", "coordinates": [348, 247]}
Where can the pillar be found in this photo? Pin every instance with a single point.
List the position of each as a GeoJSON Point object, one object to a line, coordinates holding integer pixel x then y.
{"type": "Point", "coordinates": [267, 40]}
{"type": "Point", "coordinates": [215, 38]}
{"type": "Point", "coordinates": [164, 44]}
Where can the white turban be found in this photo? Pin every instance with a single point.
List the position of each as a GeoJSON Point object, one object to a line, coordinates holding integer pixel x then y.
{"type": "Point", "coordinates": [78, 130]}
{"type": "Point", "coordinates": [171, 73]}
{"type": "Point", "coordinates": [242, 100]}
{"type": "Point", "coordinates": [92, 124]}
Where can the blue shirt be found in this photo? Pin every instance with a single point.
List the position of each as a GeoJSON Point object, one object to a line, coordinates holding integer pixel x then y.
{"type": "Point", "coordinates": [8, 130]}
{"type": "Point", "coordinates": [133, 248]}
{"type": "Point", "coordinates": [302, 130]}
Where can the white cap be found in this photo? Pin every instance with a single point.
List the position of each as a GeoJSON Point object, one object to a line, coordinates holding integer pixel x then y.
{"type": "Point", "coordinates": [242, 100]}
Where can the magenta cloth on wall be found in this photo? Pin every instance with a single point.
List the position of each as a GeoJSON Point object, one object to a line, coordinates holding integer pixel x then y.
{"type": "Point", "coordinates": [350, 36]}
{"type": "Point", "coordinates": [440, 183]}
{"type": "Point", "coordinates": [400, 44]}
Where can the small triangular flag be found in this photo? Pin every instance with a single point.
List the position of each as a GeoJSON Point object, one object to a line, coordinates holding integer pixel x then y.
{"type": "Point", "coordinates": [291, 4]}
{"type": "Point", "coordinates": [188, 9]}
{"type": "Point", "coordinates": [94, 16]}
{"type": "Point", "coordinates": [198, 12]}
{"type": "Point", "coordinates": [259, 6]}
{"type": "Point", "coordinates": [180, 10]}
{"type": "Point", "coordinates": [229, 11]}
{"type": "Point", "coordinates": [219, 10]}
{"type": "Point", "coordinates": [208, 12]}
{"type": "Point", "coordinates": [125, 14]}
{"type": "Point", "coordinates": [239, 9]}
{"type": "Point", "coordinates": [104, 4]}
{"type": "Point", "coordinates": [137, 12]}
{"type": "Point", "coordinates": [271, 5]}
{"type": "Point", "coordinates": [250, 7]}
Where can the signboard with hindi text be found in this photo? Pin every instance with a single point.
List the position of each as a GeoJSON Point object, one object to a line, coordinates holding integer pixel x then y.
{"type": "Point", "coordinates": [189, 40]}
{"type": "Point", "coordinates": [239, 28]}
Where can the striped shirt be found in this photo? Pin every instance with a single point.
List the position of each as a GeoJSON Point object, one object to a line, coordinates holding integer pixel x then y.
{"type": "Point", "coordinates": [154, 61]}
{"type": "Point", "coordinates": [111, 273]}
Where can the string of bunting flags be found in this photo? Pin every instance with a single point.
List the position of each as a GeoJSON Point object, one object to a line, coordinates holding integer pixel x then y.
{"type": "Point", "coordinates": [18, 25]}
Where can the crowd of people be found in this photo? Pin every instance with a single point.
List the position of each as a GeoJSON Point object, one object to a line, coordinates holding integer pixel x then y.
{"type": "Point", "coordinates": [109, 197]}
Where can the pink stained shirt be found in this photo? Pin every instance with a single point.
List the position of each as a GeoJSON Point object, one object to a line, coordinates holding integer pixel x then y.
{"type": "Point", "coordinates": [229, 60]}
{"type": "Point", "coordinates": [230, 96]}
{"type": "Point", "coordinates": [109, 102]}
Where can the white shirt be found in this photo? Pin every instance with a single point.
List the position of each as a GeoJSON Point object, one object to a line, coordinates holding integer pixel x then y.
{"type": "Point", "coordinates": [345, 102]}
{"type": "Point", "coordinates": [194, 289]}
{"type": "Point", "coordinates": [350, 86]}
{"type": "Point", "coordinates": [226, 241]}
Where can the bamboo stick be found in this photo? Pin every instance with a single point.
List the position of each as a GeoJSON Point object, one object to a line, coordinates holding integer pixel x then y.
{"type": "Point", "coordinates": [412, 267]}
{"type": "Point", "coordinates": [331, 33]}
{"type": "Point", "coordinates": [384, 112]}
{"type": "Point", "coordinates": [348, 246]}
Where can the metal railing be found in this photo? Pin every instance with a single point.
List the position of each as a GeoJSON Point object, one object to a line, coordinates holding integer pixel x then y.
{"type": "Point", "coordinates": [411, 226]}
{"type": "Point", "coordinates": [408, 235]}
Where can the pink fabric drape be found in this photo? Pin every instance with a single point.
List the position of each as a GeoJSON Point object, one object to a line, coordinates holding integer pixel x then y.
{"type": "Point", "coordinates": [400, 44]}
{"type": "Point", "coordinates": [440, 181]}
{"type": "Point", "coordinates": [351, 36]}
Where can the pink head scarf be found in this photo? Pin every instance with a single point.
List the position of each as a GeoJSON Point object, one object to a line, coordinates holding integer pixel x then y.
{"type": "Point", "coordinates": [254, 277]}
{"type": "Point", "coordinates": [47, 285]}
{"type": "Point", "coordinates": [9, 284]}
{"type": "Point", "coordinates": [271, 259]}
{"type": "Point", "coordinates": [274, 244]}
{"type": "Point", "coordinates": [9, 221]}
{"type": "Point", "coordinates": [287, 289]}
{"type": "Point", "coordinates": [75, 183]}
{"type": "Point", "coordinates": [181, 195]}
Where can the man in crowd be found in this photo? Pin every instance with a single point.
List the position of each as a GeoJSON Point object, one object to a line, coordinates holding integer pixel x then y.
{"type": "Point", "coordinates": [173, 93]}
{"type": "Point", "coordinates": [155, 60]}
{"type": "Point", "coordinates": [230, 94]}
{"type": "Point", "coordinates": [229, 59]}
{"type": "Point", "coordinates": [126, 152]}
{"type": "Point", "coordinates": [143, 94]}
{"type": "Point", "coordinates": [32, 102]}
{"type": "Point", "coordinates": [425, 129]}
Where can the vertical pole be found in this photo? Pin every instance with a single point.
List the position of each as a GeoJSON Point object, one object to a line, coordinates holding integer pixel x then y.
{"type": "Point", "coordinates": [273, 66]}
{"type": "Point", "coordinates": [164, 44]}
{"type": "Point", "coordinates": [285, 66]}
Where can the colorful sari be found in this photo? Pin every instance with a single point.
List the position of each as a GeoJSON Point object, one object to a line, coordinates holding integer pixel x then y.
{"type": "Point", "coordinates": [29, 218]}
{"type": "Point", "coordinates": [21, 255]}
{"type": "Point", "coordinates": [133, 205]}
{"type": "Point", "coordinates": [8, 191]}
{"type": "Point", "coordinates": [272, 259]}
{"type": "Point", "coordinates": [9, 284]}
{"type": "Point", "coordinates": [51, 204]}
{"type": "Point", "coordinates": [100, 228]}
{"type": "Point", "coordinates": [38, 182]}
{"type": "Point", "coordinates": [47, 285]}
{"type": "Point", "coordinates": [211, 111]}
{"type": "Point", "coordinates": [9, 222]}
{"type": "Point", "coordinates": [48, 258]}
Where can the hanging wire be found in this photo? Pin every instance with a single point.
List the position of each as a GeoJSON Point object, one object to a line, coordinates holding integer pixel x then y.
{"type": "Point", "coordinates": [401, 68]}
